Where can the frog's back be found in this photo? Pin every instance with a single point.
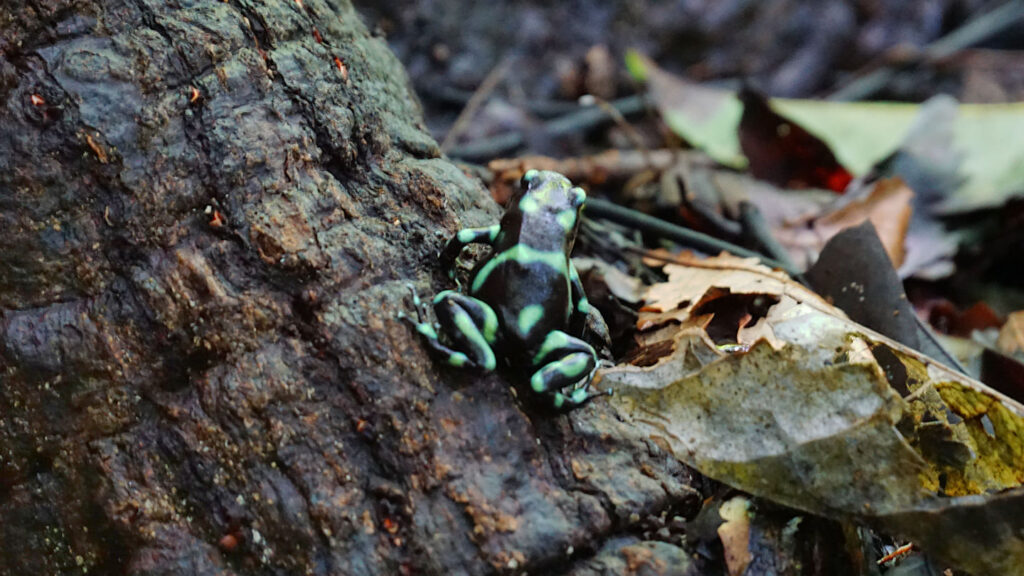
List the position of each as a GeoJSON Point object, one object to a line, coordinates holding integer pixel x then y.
{"type": "Point", "coordinates": [526, 282]}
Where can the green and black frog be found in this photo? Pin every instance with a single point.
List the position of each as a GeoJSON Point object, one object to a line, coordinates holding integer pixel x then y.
{"type": "Point", "coordinates": [525, 304]}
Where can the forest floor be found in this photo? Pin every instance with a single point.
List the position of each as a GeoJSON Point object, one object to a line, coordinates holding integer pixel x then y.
{"type": "Point", "coordinates": [502, 84]}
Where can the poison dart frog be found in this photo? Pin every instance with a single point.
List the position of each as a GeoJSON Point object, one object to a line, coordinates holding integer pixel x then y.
{"type": "Point", "coordinates": [525, 304]}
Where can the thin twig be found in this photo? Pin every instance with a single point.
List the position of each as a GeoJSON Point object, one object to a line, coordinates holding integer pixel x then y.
{"type": "Point", "coordinates": [757, 228]}
{"type": "Point", "coordinates": [595, 207]}
{"type": "Point", "coordinates": [588, 117]}
{"type": "Point", "coordinates": [620, 121]}
{"type": "Point", "coordinates": [503, 144]}
{"type": "Point", "coordinates": [610, 164]}
{"type": "Point", "coordinates": [972, 32]}
{"type": "Point", "coordinates": [474, 103]}
{"type": "Point", "coordinates": [541, 108]}
{"type": "Point", "coordinates": [901, 551]}
{"type": "Point", "coordinates": [582, 119]}
{"type": "Point", "coordinates": [706, 211]}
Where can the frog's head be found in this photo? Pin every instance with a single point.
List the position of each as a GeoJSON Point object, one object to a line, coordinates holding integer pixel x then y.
{"type": "Point", "coordinates": [552, 195]}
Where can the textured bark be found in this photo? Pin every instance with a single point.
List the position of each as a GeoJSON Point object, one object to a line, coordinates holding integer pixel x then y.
{"type": "Point", "coordinates": [209, 213]}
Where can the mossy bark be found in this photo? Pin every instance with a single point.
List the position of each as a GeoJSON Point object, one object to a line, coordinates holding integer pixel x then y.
{"type": "Point", "coordinates": [209, 213]}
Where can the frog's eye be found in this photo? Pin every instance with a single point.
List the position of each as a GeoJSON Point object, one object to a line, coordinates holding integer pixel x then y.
{"type": "Point", "coordinates": [577, 196]}
{"type": "Point", "coordinates": [528, 177]}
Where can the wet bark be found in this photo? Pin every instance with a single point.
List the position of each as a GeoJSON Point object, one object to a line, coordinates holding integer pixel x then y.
{"type": "Point", "coordinates": [209, 214]}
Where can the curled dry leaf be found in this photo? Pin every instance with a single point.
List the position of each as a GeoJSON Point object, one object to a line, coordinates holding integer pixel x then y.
{"type": "Point", "coordinates": [735, 534]}
{"type": "Point", "coordinates": [804, 220]}
{"type": "Point", "coordinates": [791, 401]}
{"type": "Point", "coordinates": [1011, 336]}
{"type": "Point", "coordinates": [887, 206]}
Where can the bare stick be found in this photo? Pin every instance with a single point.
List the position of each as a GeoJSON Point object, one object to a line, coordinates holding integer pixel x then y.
{"type": "Point", "coordinates": [475, 101]}
{"type": "Point", "coordinates": [639, 220]}
{"type": "Point", "coordinates": [582, 119]}
{"type": "Point", "coordinates": [972, 32]}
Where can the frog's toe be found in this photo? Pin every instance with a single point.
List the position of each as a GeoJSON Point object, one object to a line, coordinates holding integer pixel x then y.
{"type": "Point", "coordinates": [405, 318]}
{"type": "Point", "coordinates": [576, 398]}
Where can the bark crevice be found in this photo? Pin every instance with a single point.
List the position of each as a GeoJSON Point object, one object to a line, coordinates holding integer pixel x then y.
{"type": "Point", "coordinates": [202, 370]}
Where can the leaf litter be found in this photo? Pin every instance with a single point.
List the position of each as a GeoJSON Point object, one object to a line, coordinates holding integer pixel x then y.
{"type": "Point", "coordinates": [806, 408]}
{"type": "Point", "coordinates": [759, 382]}
{"type": "Point", "coordinates": [989, 137]}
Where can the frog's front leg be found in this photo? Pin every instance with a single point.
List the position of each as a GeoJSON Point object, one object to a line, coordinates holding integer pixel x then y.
{"type": "Point", "coordinates": [565, 361]}
{"type": "Point", "coordinates": [585, 317]}
{"type": "Point", "coordinates": [463, 238]}
{"type": "Point", "coordinates": [470, 325]}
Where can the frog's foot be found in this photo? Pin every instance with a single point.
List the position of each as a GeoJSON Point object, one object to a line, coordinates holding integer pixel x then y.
{"type": "Point", "coordinates": [601, 363]}
{"type": "Point", "coordinates": [418, 304]}
{"type": "Point", "coordinates": [566, 362]}
{"type": "Point", "coordinates": [421, 313]}
{"type": "Point", "coordinates": [469, 327]}
{"type": "Point", "coordinates": [453, 274]}
{"type": "Point", "coordinates": [578, 397]}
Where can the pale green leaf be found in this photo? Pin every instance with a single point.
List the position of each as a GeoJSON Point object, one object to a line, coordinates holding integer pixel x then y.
{"type": "Point", "coordinates": [988, 138]}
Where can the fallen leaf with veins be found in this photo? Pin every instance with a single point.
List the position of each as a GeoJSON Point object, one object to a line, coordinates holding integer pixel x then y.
{"type": "Point", "coordinates": [819, 413]}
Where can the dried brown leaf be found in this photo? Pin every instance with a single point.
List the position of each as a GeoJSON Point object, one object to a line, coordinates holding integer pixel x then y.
{"type": "Point", "coordinates": [887, 205]}
{"type": "Point", "coordinates": [888, 208]}
{"type": "Point", "coordinates": [734, 533]}
{"type": "Point", "coordinates": [1011, 336]}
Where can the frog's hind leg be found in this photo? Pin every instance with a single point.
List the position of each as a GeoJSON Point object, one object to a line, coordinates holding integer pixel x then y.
{"type": "Point", "coordinates": [565, 361]}
{"type": "Point", "coordinates": [470, 326]}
